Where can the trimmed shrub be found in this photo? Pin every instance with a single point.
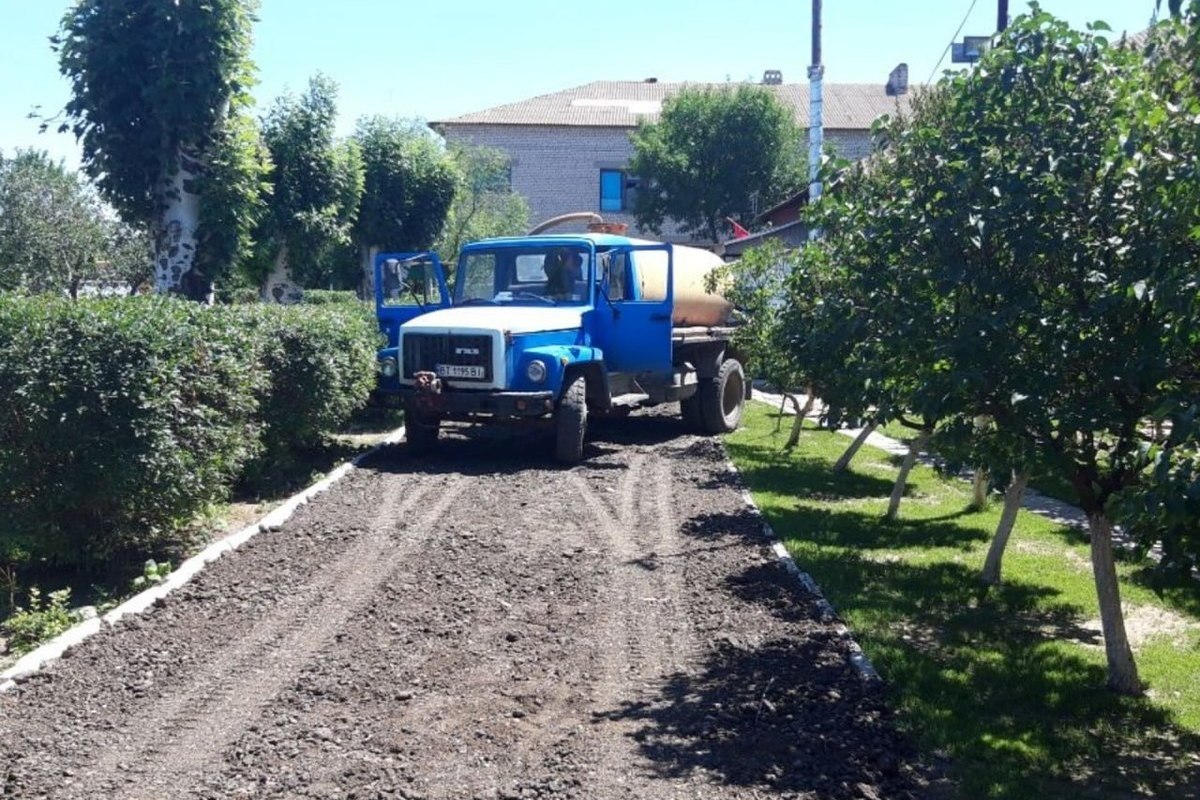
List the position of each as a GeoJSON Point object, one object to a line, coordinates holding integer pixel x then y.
{"type": "Point", "coordinates": [320, 367]}
{"type": "Point", "coordinates": [324, 297]}
{"type": "Point", "coordinates": [120, 420]}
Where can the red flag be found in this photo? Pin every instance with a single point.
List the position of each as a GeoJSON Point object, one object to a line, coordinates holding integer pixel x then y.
{"type": "Point", "coordinates": [738, 231]}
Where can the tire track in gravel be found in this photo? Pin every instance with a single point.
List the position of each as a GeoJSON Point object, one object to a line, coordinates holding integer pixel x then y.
{"type": "Point", "coordinates": [650, 633]}
{"type": "Point", "coordinates": [180, 736]}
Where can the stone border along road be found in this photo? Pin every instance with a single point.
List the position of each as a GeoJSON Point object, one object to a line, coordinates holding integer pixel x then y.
{"type": "Point", "coordinates": [481, 623]}
{"type": "Point", "coordinates": [53, 649]}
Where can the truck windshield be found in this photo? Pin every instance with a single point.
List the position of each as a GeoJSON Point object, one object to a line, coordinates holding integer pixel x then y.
{"type": "Point", "coordinates": [544, 275]}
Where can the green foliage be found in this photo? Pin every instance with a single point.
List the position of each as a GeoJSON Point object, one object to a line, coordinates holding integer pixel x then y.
{"type": "Point", "coordinates": [316, 184]}
{"type": "Point", "coordinates": [234, 187]}
{"type": "Point", "coordinates": [484, 203]}
{"type": "Point", "coordinates": [320, 367]}
{"type": "Point", "coordinates": [153, 573]}
{"type": "Point", "coordinates": [755, 285]}
{"type": "Point", "coordinates": [711, 155]}
{"type": "Point", "coordinates": [1002, 684]}
{"type": "Point", "coordinates": [156, 88]}
{"type": "Point", "coordinates": [409, 186]}
{"type": "Point", "coordinates": [325, 297]}
{"type": "Point", "coordinates": [52, 233]}
{"type": "Point", "coordinates": [123, 418]}
{"type": "Point", "coordinates": [42, 620]}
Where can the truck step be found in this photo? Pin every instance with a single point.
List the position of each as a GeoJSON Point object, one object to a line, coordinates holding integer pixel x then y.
{"type": "Point", "coordinates": [631, 399]}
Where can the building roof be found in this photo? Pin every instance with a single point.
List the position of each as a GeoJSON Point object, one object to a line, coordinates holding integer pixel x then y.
{"type": "Point", "coordinates": [622, 104]}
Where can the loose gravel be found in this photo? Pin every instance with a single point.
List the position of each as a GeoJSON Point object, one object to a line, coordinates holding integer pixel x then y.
{"type": "Point", "coordinates": [477, 624]}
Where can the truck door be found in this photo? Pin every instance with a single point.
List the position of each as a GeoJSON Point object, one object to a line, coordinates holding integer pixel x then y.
{"type": "Point", "coordinates": [634, 332]}
{"type": "Point", "coordinates": [406, 286]}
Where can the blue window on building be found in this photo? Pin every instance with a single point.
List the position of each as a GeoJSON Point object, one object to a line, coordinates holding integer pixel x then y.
{"type": "Point", "coordinates": [612, 190]}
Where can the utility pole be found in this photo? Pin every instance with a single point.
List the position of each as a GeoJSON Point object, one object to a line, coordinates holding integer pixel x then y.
{"type": "Point", "coordinates": [1001, 16]}
{"type": "Point", "coordinates": [816, 133]}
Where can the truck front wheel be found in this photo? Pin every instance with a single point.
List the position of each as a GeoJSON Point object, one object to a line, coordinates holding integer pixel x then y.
{"type": "Point", "coordinates": [570, 421]}
{"type": "Point", "coordinates": [722, 398]}
{"type": "Point", "coordinates": [420, 429]}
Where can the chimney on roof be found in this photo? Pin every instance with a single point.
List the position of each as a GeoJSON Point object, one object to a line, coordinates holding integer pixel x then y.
{"type": "Point", "coordinates": [897, 83]}
{"type": "Point", "coordinates": [772, 77]}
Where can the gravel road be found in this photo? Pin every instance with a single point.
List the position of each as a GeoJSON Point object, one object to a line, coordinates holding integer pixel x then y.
{"type": "Point", "coordinates": [479, 624]}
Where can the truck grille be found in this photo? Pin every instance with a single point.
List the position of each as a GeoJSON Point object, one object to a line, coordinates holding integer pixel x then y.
{"type": "Point", "coordinates": [424, 351]}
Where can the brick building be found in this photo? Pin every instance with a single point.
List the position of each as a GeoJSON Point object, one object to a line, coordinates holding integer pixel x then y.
{"type": "Point", "coordinates": [569, 150]}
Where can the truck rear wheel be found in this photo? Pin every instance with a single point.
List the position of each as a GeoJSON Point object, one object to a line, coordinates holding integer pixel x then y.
{"type": "Point", "coordinates": [420, 430]}
{"type": "Point", "coordinates": [570, 421]}
{"type": "Point", "coordinates": [723, 398]}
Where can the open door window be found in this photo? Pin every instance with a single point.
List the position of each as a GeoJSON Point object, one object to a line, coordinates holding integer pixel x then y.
{"type": "Point", "coordinates": [406, 286]}
{"type": "Point", "coordinates": [633, 317]}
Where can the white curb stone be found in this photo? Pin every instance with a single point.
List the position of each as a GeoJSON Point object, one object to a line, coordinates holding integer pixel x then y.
{"type": "Point", "coordinates": [49, 651]}
{"type": "Point", "coordinates": [858, 659]}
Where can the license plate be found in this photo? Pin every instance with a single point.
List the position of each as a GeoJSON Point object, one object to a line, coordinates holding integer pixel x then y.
{"type": "Point", "coordinates": [458, 371]}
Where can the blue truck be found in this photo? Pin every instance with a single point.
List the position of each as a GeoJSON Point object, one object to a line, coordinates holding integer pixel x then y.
{"type": "Point", "coordinates": [551, 329]}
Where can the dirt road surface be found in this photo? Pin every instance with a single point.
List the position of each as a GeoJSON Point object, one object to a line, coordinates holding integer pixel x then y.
{"type": "Point", "coordinates": [478, 624]}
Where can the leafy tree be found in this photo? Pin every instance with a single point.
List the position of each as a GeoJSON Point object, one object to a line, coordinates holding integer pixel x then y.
{"type": "Point", "coordinates": [409, 186]}
{"type": "Point", "coordinates": [484, 202]}
{"type": "Point", "coordinates": [1055, 191]}
{"type": "Point", "coordinates": [50, 227]}
{"type": "Point", "coordinates": [157, 92]}
{"type": "Point", "coordinates": [316, 186]}
{"type": "Point", "coordinates": [711, 154]}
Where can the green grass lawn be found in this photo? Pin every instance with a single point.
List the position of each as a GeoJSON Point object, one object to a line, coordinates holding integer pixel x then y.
{"type": "Point", "coordinates": [1007, 685]}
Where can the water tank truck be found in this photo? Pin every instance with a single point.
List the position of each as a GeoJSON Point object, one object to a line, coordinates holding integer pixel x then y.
{"type": "Point", "coordinates": [552, 329]}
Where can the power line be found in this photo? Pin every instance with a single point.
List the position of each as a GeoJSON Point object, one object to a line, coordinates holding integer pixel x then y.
{"type": "Point", "coordinates": [953, 39]}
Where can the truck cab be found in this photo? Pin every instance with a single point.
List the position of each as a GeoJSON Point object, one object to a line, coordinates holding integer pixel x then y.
{"type": "Point", "coordinates": [550, 329]}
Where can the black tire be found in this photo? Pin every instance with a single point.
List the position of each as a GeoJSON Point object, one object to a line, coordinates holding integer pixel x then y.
{"type": "Point", "coordinates": [723, 398]}
{"type": "Point", "coordinates": [570, 421]}
{"type": "Point", "coordinates": [420, 430]}
{"type": "Point", "coordinates": [689, 409]}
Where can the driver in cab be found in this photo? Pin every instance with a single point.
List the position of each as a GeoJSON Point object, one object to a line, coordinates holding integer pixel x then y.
{"type": "Point", "coordinates": [563, 268]}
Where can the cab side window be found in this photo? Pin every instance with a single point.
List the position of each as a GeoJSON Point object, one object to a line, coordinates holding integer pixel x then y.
{"type": "Point", "coordinates": [613, 269]}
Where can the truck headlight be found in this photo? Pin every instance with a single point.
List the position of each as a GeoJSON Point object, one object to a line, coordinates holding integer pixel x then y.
{"type": "Point", "coordinates": [536, 371]}
{"type": "Point", "coordinates": [388, 367]}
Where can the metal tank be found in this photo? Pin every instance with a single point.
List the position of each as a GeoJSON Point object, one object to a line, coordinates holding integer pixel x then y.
{"type": "Point", "coordinates": [694, 305]}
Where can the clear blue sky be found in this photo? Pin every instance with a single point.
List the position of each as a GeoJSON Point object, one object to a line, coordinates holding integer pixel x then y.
{"type": "Point", "coordinates": [435, 59]}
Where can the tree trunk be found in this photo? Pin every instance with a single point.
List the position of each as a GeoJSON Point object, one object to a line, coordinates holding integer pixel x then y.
{"type": "Point", "coordinates": [910, 458]}
{"type": "Point", "coordinates": [979, 489]}
{"type": "Point", "coordinates": [798, 422]}
{"type": "Point", "coordinates": [367, 255]}
{"type": "Point", "coordinates": [279, 286]}
{"type": "Point", "coordinates": [1122, 670]}
{"type": "Point", "coordinates": [175, 269]}
{"type": "Point", "coordinates": [1012, 504]}
{"type": "Point", "coordinates": [844, 462]}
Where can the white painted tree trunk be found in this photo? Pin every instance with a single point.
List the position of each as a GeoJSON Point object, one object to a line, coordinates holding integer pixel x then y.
{"type": "Point", "coordinates": [979, 489]}
{"type": "Point", "coordinates": [798, 422]}
{"type": "Point", "coordinates": [1122, 670]}
{"type": "Point", "coordinates": [844, 462]}
{"type": "Point", "coordinates": [175, 236]}
{"type": "Point", "coordinates": [1012, 504]}
{"type": "Point", "coordinates": [906, 466]}
{"type": "Point", "coordinates": [279, 286]}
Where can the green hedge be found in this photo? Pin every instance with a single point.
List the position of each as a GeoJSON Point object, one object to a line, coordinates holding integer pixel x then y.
{"type": "Point", "coordinates": [122, 419]}
{"type": "Point", "coordinates": [324, 297]}
{"type": "Point", "coordinates": [320, 362]}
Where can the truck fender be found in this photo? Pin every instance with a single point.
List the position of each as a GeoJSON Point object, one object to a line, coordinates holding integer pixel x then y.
{"type": "Point", "coordinates": [561, 360]}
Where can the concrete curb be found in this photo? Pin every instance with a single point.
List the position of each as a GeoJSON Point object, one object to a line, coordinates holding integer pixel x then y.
{"type": "Point", "coordinates": [50, 651]}
{"type": "Point", "coordinates": [858, 659]}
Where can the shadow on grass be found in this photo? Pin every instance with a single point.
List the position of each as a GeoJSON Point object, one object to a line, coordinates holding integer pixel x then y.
{"type": "Point", "coordinates": [985, 678]}
{"type": "Point", "coordinates": [283, 474]}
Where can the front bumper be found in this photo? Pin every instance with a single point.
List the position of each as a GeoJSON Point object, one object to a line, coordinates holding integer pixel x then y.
{"type": "Point", "coordinates": [497, 404]}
